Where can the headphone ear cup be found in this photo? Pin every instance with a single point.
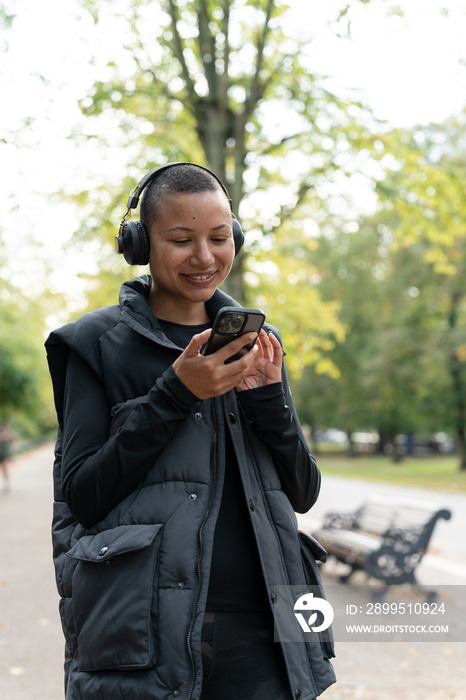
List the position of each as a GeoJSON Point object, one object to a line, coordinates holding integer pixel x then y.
{"type": "Point", "coordinates": [135, 243]}
{"type": "Point", "coordinates": [238, 236]}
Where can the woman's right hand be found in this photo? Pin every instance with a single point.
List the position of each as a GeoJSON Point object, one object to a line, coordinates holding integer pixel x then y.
{"type": "Point", "coordinates": [208, 375]}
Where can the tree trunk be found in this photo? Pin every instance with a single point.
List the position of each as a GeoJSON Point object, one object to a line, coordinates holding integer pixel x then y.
{"type": "Point", "coordinates": [215, 138]}
{"type": "Point", "coordinates": [351, 449]}
{"type": "Point", "coordinates": [234, 283]}
{"type": "Point", "coordinates": [461, 445]}
{"type": "Point", "coordinates": [397, 450]}
{"type": "Point", "coordinates": [384, 440]}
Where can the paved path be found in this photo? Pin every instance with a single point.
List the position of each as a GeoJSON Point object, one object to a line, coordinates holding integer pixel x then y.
{"type": "Point", "coordinates": [401, 670]}
{"type": "Point", "coordinates": [30, 634]}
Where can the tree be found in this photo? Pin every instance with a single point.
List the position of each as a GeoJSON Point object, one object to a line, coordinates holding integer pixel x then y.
{"type": "Point", "coordinates": [393, 366]}
{"type": "Point", "coordinates": [202, 82]}
{"type": "Point", "coordinates": [423, 192]}
{"type": "Point", "coordinates": [373, 385]}
{"type": "Point", "coordinates": [23, 380]}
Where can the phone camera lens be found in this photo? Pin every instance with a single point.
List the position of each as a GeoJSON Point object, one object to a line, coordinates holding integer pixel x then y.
{"type": "Point", "coordinates": [231, 324]}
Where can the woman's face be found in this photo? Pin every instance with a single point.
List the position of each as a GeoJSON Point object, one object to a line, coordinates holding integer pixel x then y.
{"type": "Point", "coordinates": [191, 249]}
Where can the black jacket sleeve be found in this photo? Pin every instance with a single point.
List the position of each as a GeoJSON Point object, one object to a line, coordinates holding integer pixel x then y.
{"type": "Point", "coordinates": [99, 469]}
{"type": "Point", "coordinates": [271, 412]}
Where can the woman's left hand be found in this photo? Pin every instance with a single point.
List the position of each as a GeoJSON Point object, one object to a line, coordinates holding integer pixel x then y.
{"type": "Point", "coordinates": [267, 367]}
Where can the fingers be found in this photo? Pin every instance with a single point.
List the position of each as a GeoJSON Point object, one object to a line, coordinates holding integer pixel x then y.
{"type": "Point", "coordinates": [277, 350]}
{"type": "Point", "coordinates": [271, 348]}
{"type": "Point", "coordinates": [232, 348]}
{"type": "Point", "coordinates": [207, 376]}
{"type": "Point", "coordinates": [210, 375]}
{"type": "Point", "coordinates": [196, 342]}
{"type": "Point", "coordinates": [265, 346]}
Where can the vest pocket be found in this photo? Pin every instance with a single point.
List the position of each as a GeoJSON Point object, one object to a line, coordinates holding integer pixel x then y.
{"type": "Point", "coordinates": [312, 550]}
{"type": "Point", "coordinates": [113, 599]}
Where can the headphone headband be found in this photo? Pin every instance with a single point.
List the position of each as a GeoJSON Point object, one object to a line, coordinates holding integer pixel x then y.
{"type": "Point", "coordinates": [133, 199]}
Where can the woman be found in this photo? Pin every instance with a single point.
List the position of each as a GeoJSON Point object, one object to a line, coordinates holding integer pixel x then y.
{"type": "Point", "coordinates": [177, 475]}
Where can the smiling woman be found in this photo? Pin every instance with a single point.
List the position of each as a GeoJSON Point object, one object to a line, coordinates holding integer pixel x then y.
{"type": "Point", "coordinates": [178, 474]}
{"type": "Point", "coordinates": [191, 253]}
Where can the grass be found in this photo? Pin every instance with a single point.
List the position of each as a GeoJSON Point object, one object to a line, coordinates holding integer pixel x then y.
{"type": "Point", "coordinates": [433, 472]}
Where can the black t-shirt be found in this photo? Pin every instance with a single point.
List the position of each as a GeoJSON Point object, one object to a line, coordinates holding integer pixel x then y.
{"type": "Point", "coordinates": [180, 334]}
{"type": "Point", "coordinates": [236, 579]}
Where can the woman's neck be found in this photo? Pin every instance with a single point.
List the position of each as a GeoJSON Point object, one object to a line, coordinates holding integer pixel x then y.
{"type": "Point", "coordinates": [188, 314]}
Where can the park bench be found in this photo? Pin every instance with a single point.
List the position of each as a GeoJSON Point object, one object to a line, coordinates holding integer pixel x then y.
{"type": "Point", "coordinates": [385, 538]}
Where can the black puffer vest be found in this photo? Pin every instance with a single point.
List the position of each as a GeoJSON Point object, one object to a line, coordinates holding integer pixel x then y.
{"type": "Point", "coordinates": [133, 586]}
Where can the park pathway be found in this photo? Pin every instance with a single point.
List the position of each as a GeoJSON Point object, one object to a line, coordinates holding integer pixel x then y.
{"type": "Point", "coordinates": [31, 647]}
{"type": "Point", "coordinates": [400, 670]}
{"type": "Point", "coordinates": [30, 634]}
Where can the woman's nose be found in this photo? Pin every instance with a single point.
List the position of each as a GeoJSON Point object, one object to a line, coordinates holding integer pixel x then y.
{"type": "Point", "coordinates": [203, 253]}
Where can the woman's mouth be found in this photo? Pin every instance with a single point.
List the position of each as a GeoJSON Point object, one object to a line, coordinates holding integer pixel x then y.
{"type": "Point", "coordinates": [200, 278]}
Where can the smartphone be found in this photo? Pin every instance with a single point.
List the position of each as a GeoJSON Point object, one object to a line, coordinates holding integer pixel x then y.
{"type": "Point", "coordinates": [231, 322]}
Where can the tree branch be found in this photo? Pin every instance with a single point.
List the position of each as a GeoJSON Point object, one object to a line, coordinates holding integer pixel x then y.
{"type": "Point", "coordinates": [179, 50]}
{"type": "Point", "coordinates": [226, 33]}
{"type": "Point", "coordinates": [207, 48]}
{"type": "Point", "coordinates": [272, 147]}
{"type": "Point", "coordinates": [287, 211]}
{"type": "Point", "coordinates": [149, 69]}
{"type": "Point", "coordinates": [257, 85]}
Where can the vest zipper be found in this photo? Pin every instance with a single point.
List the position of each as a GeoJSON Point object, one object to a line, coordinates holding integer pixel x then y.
{"type": "Point", "coordinates": [285, 568]}
{"type": "Point", "coordinates": [201, 551]}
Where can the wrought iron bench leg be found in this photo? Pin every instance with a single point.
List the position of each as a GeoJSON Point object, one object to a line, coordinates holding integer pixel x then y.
{"type": "Point", "coordinates": [344, 578]}
{"type": "Point", "coordinates": [378, 594]}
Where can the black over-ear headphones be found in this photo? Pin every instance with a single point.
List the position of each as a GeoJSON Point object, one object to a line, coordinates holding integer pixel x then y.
{"type": "Point", "coordinates": [133, 240]}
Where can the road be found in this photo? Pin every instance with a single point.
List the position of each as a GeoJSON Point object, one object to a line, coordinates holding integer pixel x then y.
{"type": "Point", "coordinates": [30, 634]}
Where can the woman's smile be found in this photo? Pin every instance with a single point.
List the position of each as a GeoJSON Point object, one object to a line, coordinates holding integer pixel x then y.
{"type": "Point", "coordinates": [199, 277]}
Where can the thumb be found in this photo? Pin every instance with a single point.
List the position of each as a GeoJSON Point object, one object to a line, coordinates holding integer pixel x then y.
{"type": "Point", "coordinates": [197, 341]}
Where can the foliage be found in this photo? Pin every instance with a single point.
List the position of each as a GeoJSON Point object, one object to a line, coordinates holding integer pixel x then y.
{"type": "Point", "coordinates": [6, 15]}
{"type": "Point", "coordinates": [372, 310]}
{"type": "Point", "coordinates": [282, 282]}
{"type": "Point", "coordinates": [204, 83]}
{"type": "Point", "coordinates": [399, 277]}
{"type": "Point", "coordinates": [424, 191]}
{"type": "Point", "coordinates": [25, 400]}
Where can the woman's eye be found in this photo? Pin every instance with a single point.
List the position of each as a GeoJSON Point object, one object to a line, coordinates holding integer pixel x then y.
{"type": "Point", "coordinates": [218, 240]}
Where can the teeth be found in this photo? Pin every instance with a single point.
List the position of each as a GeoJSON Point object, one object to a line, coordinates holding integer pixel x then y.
{"type": "Point", "coordinates": [200, 277]}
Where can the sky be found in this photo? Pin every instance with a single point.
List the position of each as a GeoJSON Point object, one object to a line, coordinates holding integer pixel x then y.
{"type": "Point", "coordinates": [409, 70]}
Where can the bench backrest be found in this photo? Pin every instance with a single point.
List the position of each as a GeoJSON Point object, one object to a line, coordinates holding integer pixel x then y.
{"type": "Point", "coordinates": [378, 514]}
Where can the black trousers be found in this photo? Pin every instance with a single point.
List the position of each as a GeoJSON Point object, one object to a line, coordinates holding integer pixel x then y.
{"type": "Point", "coordinates": [240, 659]}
